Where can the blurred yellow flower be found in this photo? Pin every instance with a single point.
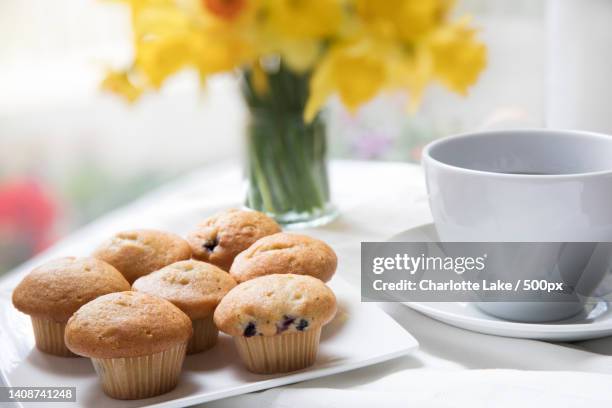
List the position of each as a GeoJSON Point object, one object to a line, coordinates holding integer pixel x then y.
{"type": "Point", "coordinates": [164, 40]}
{"type": "Point", "coordinates": [303, 18]}
{"type": "Point", "coordinates": [458, 57]}
{"type": "Point", "coordinates": [408, 20]}
{"type": "Point", "coordinates": [413, 72]}
{"type": "Point", "coordinates": [119, 83]}
{"type": "Point", "coordinates": [352, 48]}
{"type": "Point", "coordinates": [356, 71]}
{"type": "Point", "coordinates": [299, 54]}
{"type": "Point", "coordinates": [294, 29]}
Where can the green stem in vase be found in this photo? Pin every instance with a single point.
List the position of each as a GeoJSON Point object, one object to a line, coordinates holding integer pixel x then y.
{"type": "Point", "coordinates": [260, 196]}
{"type": "Point", "coordinates": [287, 170]}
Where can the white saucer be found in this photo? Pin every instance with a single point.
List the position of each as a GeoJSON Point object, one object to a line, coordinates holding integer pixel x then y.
{"type": "Point", "coordinates": [595, 322]}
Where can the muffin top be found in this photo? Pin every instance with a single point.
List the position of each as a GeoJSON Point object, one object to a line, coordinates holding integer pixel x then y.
{"type": "Point", "coordinates": [126, 324]}
{"type": "Point", "coordinates": [220, 238]}
{"type": "Point", "coordinates": [139, 252]}
{"type": "Point", "coordinates": [194, 287]}
{"type": "Point", "coordinates": [275, 304]}
{"type": "Point", "coordinates": [285, 253]}
{"type": "Point", "coordinates": [56, 289]}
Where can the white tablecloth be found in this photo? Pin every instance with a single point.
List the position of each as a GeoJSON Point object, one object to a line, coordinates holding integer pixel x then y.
{"type": "Point", "coordinates": [452, 368]}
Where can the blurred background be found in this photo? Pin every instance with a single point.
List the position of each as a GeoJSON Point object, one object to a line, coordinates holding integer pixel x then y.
{"type": "Point", "coordinates": [69, 153]}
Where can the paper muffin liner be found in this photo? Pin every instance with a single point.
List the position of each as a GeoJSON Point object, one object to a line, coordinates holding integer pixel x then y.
{"type": "Point", "coordinates": [49, 337]}
{"type": "Point", "coordinates": [279, 354]}
{"type": "Point", "coordinates": [143, 376]}
{"type": "Point", "coordinates": [205, 335]}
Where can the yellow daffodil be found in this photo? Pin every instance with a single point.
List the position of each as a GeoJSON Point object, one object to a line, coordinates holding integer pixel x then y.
{"type": "Point", "coordinates": [119, 83]}
{"type": "Point", "coordinates": [352, 48]}
{"type": "Point", "coordinates": [408, 20]}
{"type": "Point", "coordinates": [458, 57]}
{"type": "Point", "coordinates": [303, 18]}
{"type": "Point", "coordinates": [412, 72]}
{"type": "Point", "coordinates": [416, 18]}
{"type": "Point", "coordinates": [294, 29]}
{"type": "Point", "coordinates": [356, 71]}
{"type": "Point", "coordinates": [298, 54]}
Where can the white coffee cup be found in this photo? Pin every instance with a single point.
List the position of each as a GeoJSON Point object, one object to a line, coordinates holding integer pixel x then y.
{"type": "Point", "coordinates": [522, 185]}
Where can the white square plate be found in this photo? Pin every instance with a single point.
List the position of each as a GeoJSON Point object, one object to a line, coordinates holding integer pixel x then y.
{"type": "Point", "coordinates": [360, 335]}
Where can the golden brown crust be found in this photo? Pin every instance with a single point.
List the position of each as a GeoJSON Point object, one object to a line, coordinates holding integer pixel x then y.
{"type": "Point", "coordinates": [194, 287]}
{"type": "Point", "coordinates": [137, 253]}
{"type": "Point", "coordinates": [126, 324]}
{"type": "Point", "coordinates": [285, 253]}
{"type": "Point", "coordinates": [56, 289]}
{"type": "Point", "coordinates": [220, 238]}
{"type": "Point", "coordinates": [275, 304]}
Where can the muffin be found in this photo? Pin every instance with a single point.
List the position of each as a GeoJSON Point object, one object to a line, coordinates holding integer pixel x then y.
{"type": "Point", "coordinates": [276, 321]}
{"type": "Point", "coordinates": [194, 287]}
{"type": "Point", "coordinates": [220, 238]}
{"type": "Point", "coordinates": [136, 342]}
{"type": "Point", "coordinates": [51, 293]}
{"type": "Point", "coordinates": [285, 253]}
{"type": "Point", "coordinates": [137, 253]}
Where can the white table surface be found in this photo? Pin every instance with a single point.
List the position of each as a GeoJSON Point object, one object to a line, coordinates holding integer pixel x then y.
{"type": "Point", "coordinates": [453, 368]}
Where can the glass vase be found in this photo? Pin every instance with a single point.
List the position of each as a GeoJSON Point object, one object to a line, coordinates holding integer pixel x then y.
{"type": "Point", "coordinates": [286, 157]}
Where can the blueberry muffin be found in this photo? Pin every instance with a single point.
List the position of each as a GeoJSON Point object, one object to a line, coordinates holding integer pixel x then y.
{"type": "Point", "coordinates": [136, 342]}
{"type": "Point", "coordinates": [194, 287]}
{"type": "Point", "coordinates": [51, 293]}
{"type": "Point", "coordinates": [137, 253]}
{"type": "Point", "coordinates": [220, 238]}
{"type": "Point", "coordinates": [276, 320]}
{"type": "Point", "coordinates": [285, 253]}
